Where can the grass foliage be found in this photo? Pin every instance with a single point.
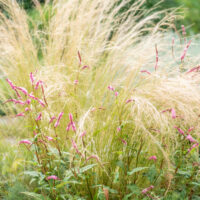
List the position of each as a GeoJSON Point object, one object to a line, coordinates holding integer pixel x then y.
{"type": "Point", "coordinates": [113, 141]}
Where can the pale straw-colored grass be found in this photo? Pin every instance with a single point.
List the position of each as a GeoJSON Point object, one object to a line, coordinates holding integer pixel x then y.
{"type": "Point", "coordinates": [116, 48]}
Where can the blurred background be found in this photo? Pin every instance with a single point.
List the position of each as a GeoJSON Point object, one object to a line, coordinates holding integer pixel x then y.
{"type": "Point", "coordinates": [188, 9]}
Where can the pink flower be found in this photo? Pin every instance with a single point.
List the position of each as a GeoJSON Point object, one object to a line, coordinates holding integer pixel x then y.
{"type": "Point", "coordinates": [180, 130]}
{"type": "Point", "coordinates": [59, 118]}
{"type": "Point", "coordinates": [52, 119]}
{"type": "Point", "coordinates": [116, 94]}
{"type": "Point", "coordinates": [41, 102]}
{"type": "Point", "coordinates": [79, 57]}
{"type": "Point", "coordinates": [153, 158]}
{"type": "Point", "coordinates": [194, 69]}
{"type": "Point", "coordinates": [94, 157]}
{"type": "Point", "coordinates": [111, 88]}
{"type": "Point", "coordinates": [75, 82]}
{"type": "Point", "coordinates": [84, 67]}
{"type": "Point", "coordinates": [20, 115]}
{"type": "Point", "coordinates": [52, 177]}
{"type": "Point", "coordinates": [147, 189]}
{"type": "Point", "coordinates": [34, 133]}
{"type": "Point", "coordinates": [37, 84]}
{"type": "Point", "coordinates": [31, 78]}
{"type": "Point", "coordinates": [167, 110]}
{"type": "Point", "coordinates": [76, 148]}
{"type": "Point", "coordinates": [71, 123]}
{"type": "Point", "coordinates": [28, 101]}
{"type": "Point", "coordinates": [27, 109]}
{"type": "Point", "coordinates": [25, 142]}
{"type": "Point", "coordinates": [32, 96]}
{"type": "Point", "coordinates": [39, 117]}
{"type": "Point", "coordinates": [22, 90]}
{"type": "Point", "coordinates": [15, 101]}
{"type": "Point", "coordinates": [119, 129]}
{"type": "Point", "coordinates": [129, 100]}
{"type": "Point", "coordinates": [124, 142]}
{"type": "Point", "coordinates": [185, 50]}
{"type": "Point", "coordinates": [49, 138]}
{"type": "Point", "coordinates": [11, 84]}
{"type": "Point", "coordinates": [190, 129]}
{"type": "Point", "coordinates": [193, 146]}
{"type": "Point", "coordinates": [145, 71]}
{"type": "Point", "coordinates": [183, 30]}
{"type": "Point", "coordinates": [190, 138]}
{"type": "Point", "coordinates": [83, 134]}
{"type": "Point", "coordinates": [173, 112]}
{"type": "Point", "coordinates": [156, 66]}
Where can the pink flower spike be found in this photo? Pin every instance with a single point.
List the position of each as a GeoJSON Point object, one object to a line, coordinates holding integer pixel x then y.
{"type": "Point", "coordinates": [193, 146]}
{"type": "Point", "coordinates": [71, 117]}
{"type": "Point", "coordinates": [39, 117]}
{"type": "Point", "coordinates": [185, 50]}
{"type": "Point", "coordinates": [167, 110]}
{"type": "Point", "coordinates": [190, 129]}
{"type": "Point", "coordinates": [153, 158]}
{"type": "Point", "coordinates": [25, 142]}
{"type": "Point", "coordinates": [124, 142]}
{"type": "Point", "coordinates": [75, 82]}
{"type": "Point", "coordinates": [31, 78]}
{"type": "Point", "coordinates": [183, 30]}
{"type": "Point", "coordinates": [11, 84]}
{"type": "Point", "coordinates": [194, 69]}
{"type": "Point", "coordinates": [145, 71]}
{"type": "Point", "coordinates": [73, 126]}
{"type": "Point", "coordinates": [116, 94]}
{"type": "Point", "coordinates": [37, 84]}
{"type": "Point", "coordinates": [49, 138]}
{"type": "Point", "coordinates": [28, 101]}
{"type": "Point", "coordinates": [190, 138]}
{"type": "Point", "coordinates": [173, 41]}
{"type": "Point", "coordinates": [156, 66]}
{"type": "Point", "coordinates": [119, 129]}
{"type": "Point", "coordinates": [20, 115]}
{"type": "Point", "coordinates": [129, 100]}
{"type": "Point", "coordinates": [27, 109]}
{"type": "Point", "coordinates": [52, 119]}
{"type": "Point", "coordinates": [41, 102]}
{"type": "Point", "coordinates": [34, 133]}
{"type": "Point", "coordinates": [173, 112]}
{"type": "Point", "coordinates": [111, 88]}
{"type": "Point", "coordinates": [32, 96]}
{"type": "Point", "coordinates": [59, 118]}
{"type": "Point", "coordinates": [76, 148]}
{"type": "Point", "coordinates": [68, 127]}
{"type": "Point", "coordinates": [85, 67]}
{"type": "Point", "coordinates": [180, 130]}
{"type": "Point", "coordinates": [94, 157]}
{"type": "Point", "coordinates": [79, 57]}
{"type": "Point", "coordinates": [52, 177]}
{"type": "Point", "coordinates": [147, 189]}
{"type": "Point", "coordinates": [83, 134]}
{"type": "Point", "coordinates": [22, 90]}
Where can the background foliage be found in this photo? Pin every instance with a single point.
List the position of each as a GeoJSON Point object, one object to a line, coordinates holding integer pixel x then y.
{"type": "Point", "coordinates": [190, 10]}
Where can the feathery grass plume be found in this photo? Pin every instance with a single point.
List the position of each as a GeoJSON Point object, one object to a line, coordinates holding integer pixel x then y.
{"type": "Point", "coordinates": [116, 47]}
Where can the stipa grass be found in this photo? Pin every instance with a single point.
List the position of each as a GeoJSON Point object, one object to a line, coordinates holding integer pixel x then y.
{"type": "Point", "coordinates": [95, 123]}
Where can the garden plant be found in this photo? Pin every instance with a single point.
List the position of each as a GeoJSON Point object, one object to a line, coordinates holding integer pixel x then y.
{"type": "Point", "coordinates": [104, 104]}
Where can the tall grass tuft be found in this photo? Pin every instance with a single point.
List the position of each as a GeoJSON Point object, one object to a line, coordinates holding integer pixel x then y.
{"type": "Point", "coordinates": [120, 133]}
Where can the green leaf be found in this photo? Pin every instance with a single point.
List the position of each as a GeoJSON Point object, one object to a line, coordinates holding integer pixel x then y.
{"type": "Point", "coordinates": [35, 195]}
{"type": "Point", "coordinates": [67, 182]}
{"type": "Point", "coordinates": [86, 168]}
{"type": "Point", "coordinates": [32, 173]}
{"type": "Point", "coordinates": [136, 170]}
